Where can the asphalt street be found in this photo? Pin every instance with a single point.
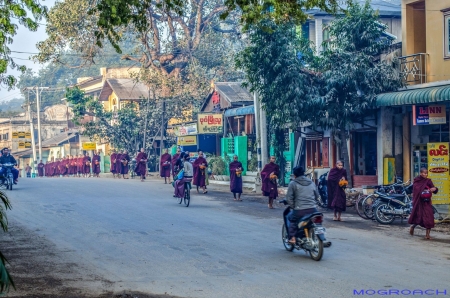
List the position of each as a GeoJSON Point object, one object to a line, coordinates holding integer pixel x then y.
{"type": "Point", "coordinates": [137, 237]}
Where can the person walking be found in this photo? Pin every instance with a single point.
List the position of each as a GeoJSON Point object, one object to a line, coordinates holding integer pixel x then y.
{"type": "Point", "coordinates": [336, 194]}
{"type": "Point", "coordinates": [175, 158]}
{"type": "Point", "coordinates": [112, 167]}
{"type": "Point", "coordinates": [235, 168]}
{"type": "Point", "coordinates": [96, 164]}
{"type": "Point", "coordinates": [28, 171]}
{"type": "Point", "coordinates": [188, 172]}
{"type": "Point", "coordinates": [164, 165]}
{"type": "Point", "coordinates": [141, 164]}
{"type": "Point", "coordinates": [200, 166]}
{"type": "Point", "coordinates": [422, 212]}
{"type": "Point", "coordinates": [269, 176]}
{"type": "Point", "coordinates": [125, 160]}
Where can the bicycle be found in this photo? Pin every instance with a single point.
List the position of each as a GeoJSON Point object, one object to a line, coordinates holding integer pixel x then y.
{"type": "Point", "coordinates": [187, 194]}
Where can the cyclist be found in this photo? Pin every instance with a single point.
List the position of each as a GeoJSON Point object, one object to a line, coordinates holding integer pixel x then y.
{"type": "Point", "coordinates": [6, 157]}
{"type": "Point", "coordinates": [187, 177]}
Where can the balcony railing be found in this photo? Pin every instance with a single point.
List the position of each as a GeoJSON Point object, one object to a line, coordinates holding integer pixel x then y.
{"type": "Point", "coordinates": [413, 68]}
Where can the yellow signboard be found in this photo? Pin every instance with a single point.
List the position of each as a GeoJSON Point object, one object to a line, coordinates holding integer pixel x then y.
{"type": "Point", "coordinates": [210, 123]}
{"type": "Point", "coordinates": [28, 135]}
{"type": "Point", "coordinates": [27, 144]}
{"type": "Point", "coordinates": [388, 170]}
{"type": "Point", "coordinates": [15, 135]}
{"type": "Point", "coordinates": [438, 171]}
{"type": "Point", "coordinates": [89, 146]}
{"type": "Point", "coordinates": [21, 145]}
{"type": "Point", "coordinates": [187, 141]}
{"type": "Point", "coordinates": [21, 134]}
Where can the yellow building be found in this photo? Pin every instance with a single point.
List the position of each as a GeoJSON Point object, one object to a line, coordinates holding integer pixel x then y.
{"type": "Point", "coordinates": [413, 123]}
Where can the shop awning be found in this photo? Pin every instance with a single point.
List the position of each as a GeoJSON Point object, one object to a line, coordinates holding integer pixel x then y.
{"type": "Point", "coordinates": [247, 110]}
{"type": "Point", "coordinates": [415, 96]}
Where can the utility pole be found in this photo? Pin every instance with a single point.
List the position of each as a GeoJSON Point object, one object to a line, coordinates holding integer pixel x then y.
{"type": "Point", "coordinates": [33, 142]}
{"type": "Point", "coordinates": [145, 124]}
{"type": "Point", "coordinates": [263, 122]}
{"type": "Point", "coordinates": [38, 110]}
{"type": "Point", "coordinates": [161, 143]}
{"type": "Point", "coordinates": [256, 105]}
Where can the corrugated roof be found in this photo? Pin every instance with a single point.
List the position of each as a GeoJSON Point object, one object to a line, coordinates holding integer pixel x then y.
{"type": "Point", "coordinates": [415, 96]}
{"type": "Point", "coordinates": [233, 92]}
{"type": "Point", "coordinates": [125, 89]}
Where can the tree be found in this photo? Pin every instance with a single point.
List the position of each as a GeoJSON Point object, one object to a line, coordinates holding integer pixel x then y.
{"type": "Point", "coordinates": [284, 86]}
{"type": "Point", "coordinates": [5, 278]}
{"type": "Point", "coordinates": [20, 10]}
{"type": "Point", "coordinates": [352, 73]}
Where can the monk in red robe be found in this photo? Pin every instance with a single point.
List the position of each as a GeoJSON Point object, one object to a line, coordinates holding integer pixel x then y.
{"type": "Point", "coordinates": [200, 172]}
{"type": "Point", "coordinates": [164, 165]}
{"type": "Point", "coordinates": [58, 167]}
{"type": "Point", "coordinates": [96, 164]}
{"type": "Point", "coordinates": [269, 176]}
{"type": "Point", "coordinates": [63, 167]}
{"type": "Point", "coordinates": [73, 166]}
{"type": "Point", "coordinates": [86, 165]}
{"type": "Point", "coordinates": [236, 168]}
{"type": "Point", "coordinates": [112, 168]}
{"type": "Point", "coordinates": [40, 167]}
{"type": "Point", "coordinates": [141, 164]}
{"type": "Point", "coordinates": [337, 198]}
{"type": "Point", "coordinates": [124, 160]}
{"type": "Point", "coordinates": [174, 161]}
{"type": "Point", "coordinates": [422, 213]}
{"type": "Point", "coordinates": [80, 165]}
{"type": "Point", "coordinates": [119, 163]}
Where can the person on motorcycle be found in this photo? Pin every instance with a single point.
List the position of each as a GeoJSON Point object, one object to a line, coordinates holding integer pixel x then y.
{"type": "Point", "coordinates": [8, 158]}
{"type": "Point", "coordinates": [302, 197]}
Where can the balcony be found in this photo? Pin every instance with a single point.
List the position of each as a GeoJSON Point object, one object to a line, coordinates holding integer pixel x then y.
{"type": "Point", "coordinates": [413, 68]}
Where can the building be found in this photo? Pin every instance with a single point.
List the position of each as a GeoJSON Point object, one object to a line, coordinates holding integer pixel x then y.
{"type": "Point", "coordinates": [413, 123]}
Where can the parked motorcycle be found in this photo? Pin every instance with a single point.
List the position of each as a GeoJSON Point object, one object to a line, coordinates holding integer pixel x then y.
{"type": "Point", "coordinates": [389, 206]}
{"type": "Point", "coordinates": [323, 190]}
{"type": "Point", "coordinates": [310, 235]}
{"type": "Point", "coordinates": [7, 180]}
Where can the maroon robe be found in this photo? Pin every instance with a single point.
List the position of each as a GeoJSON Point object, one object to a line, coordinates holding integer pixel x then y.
{"type": "Point", "coordinates": [73, 166]}
{"type": "Point", "coordinates": [118, 163]}
{"type": "Point", "coordinates": [63, 167]}
{"type": "Point", "coordinates": [174, 161]}
{"type": "Point", "coordinates": [96, 164]}
{"type": "Point", "coordinates": [141, 166]}
{"type": "Point", "coordinates": [269, 187]}
{"type": "Point", "coordinates": [112, 168]}
{"type": "Point", "coordinates": [124, 168]}
{"type": "Point", "coordinates": [41, 169]}
{"type": "Point", "coordinates": [235, 181]}
{"type": "Point", "coordinates": [86, 164]}
{"type": "Point", "coordinates": [164, 165]}
{"type": "Point", "coordinates": [422, 213]}
{"type": "Point", "coordinates": [57, 168]}
{"type": "Point", "coordinates": [200, 175]}
{"type": "Point", "coordinates": [336, 195]}
{"type": "Point", "coordinates": [80, 165]}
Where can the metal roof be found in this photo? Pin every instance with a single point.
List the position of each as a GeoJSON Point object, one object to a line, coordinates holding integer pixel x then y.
{"type": "Point", "coordinates": [233, 92]}
{"type": "Point", "coordinates": [125, 89]}
{"type": "Point", "coordinates": [386, 8]}
{"type": "Point", "coordinates": [248, 110]}
{"type": "Point", "coordinates": [415, 96]}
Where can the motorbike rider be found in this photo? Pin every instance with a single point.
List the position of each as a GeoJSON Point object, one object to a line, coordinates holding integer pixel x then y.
{"type": "Point", "coordinates": [302, 197]}
{"type": "Point", "coordinates": [6, 157]}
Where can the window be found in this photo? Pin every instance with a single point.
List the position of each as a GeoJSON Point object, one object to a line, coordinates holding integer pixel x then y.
{"type": "Point", "coordinates": [314, 153]}
{"type": "Point", "coordinates": [439, 133]}
{"type": "Point", "coordinates": [447, 35]}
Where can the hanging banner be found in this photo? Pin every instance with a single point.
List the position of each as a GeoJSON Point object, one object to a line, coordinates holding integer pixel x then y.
{"type": "Point", "coordinates": [210, 123]}
{"type": "Point", "coordinates": [185, 130]}
{"type": "Point", "coordinates": [425, 115]}
{"type": "Point", "coordinates": [89, 146]}
{"type": "Point", "coordinates": [438, 171]}
{"type": "Point", "coordinates": [187, 141]}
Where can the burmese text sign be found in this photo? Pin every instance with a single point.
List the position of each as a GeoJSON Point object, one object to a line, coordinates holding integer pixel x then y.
{"type": "Point", "coordinates": [187, 141]}
{"type": "Point", "coordinates": [185, 130]}
{"type": "Point", "coordinates": [210, 123]}
{"type": "Point", "coordinates": [438, 171]}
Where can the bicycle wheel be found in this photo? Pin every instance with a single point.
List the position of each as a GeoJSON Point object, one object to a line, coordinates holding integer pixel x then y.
{"type": "Point", "coordinates": [358, 206]}
{"type": "Point", "coordinates": [187, 196]}
{"type": "Point", "coordinates": [368, 205]}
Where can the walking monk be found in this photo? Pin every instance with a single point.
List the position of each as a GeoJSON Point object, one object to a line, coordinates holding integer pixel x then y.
{"type": "Point", "coordinates": [112, 168]}
{"type": "Point", "coordinates": [164, 165]}
{"type": "Point", "coordinates": [175, 157]}
{"type": "Point", "coordinates": [96, 164]}
{"type": "Point", "coordinates": [87, 165]}
{"type": "Point", "coordinates": [141, 164]}
{"type": "Point", "coordinates": [80, 165]}
{"type": "Point", "coordinates": [119, 164]}
{"type": "Point", "coordinates": [200, 166]}
{"type": "Point", "coordinates": [236, 178]}
{"type": "Point", "coordinates": [269, 176]}
{"type": "Point", "coordinates": [41, 169]}
{"type": "Point", "coordinates": [125, 160]}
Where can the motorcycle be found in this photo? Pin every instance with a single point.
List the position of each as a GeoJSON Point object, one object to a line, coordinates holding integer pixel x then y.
{"type": "Point", "coordinates": [7, 180]}
{"type": "Point", "coordinates": [323, 191]}
{"type": "Point", "coordinates": [310, 235]}
{"type": "Point", "coordinates": [389, 206]}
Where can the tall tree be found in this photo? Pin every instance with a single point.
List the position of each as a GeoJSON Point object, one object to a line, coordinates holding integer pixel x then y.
{"type": "Point", "coordinates": [10, 11]}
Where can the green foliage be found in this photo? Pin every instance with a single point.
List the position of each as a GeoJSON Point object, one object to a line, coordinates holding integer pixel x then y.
{"type": "Point", "coordinates": [253, 163]}
{"type": "Point", "coordinates": [11, 107]}
{"type": "Point", "coordinates": [5, 278]}
{"type": "Point", "coordinates": [10, 11]}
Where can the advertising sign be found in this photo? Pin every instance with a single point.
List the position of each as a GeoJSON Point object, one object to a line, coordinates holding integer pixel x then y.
{"type": "Point", "coordinates": [21, 134]}
{"type": "Point", "coordinates": [187, 141]}
{"type": "Point", "coordinates": [27, 144]}
{"type": "Point", "coordinates": [89, 146]}
{"type": "Point", "coordinates": [210, 123]}
{"type": "Point", "coordinates": [438, 171]}
{"type": "Point", "coordinates": [185, 130]}
{"type": "Point", "coordinates": [28, 135]}
{"type": "Point", "coordinates": [425, 115]}
{"type": "Point", "coordinates": [15, 135]}
{"type": "Point", "coordinates": [21, 145]}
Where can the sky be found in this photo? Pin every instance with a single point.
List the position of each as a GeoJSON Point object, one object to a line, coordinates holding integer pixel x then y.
{"type": "Point", "coordinates": [25, 41]}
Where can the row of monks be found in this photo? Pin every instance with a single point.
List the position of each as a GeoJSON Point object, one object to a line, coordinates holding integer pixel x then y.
{"type": "Point", "coordinates": [71, 166]}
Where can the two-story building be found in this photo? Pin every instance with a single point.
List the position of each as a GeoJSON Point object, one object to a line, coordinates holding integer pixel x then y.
{"type": "Point", "coordinates": [413, 123]}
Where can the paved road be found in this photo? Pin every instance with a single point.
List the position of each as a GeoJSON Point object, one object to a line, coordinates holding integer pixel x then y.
{"type": "Point", "coordinates": [137, 237]}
